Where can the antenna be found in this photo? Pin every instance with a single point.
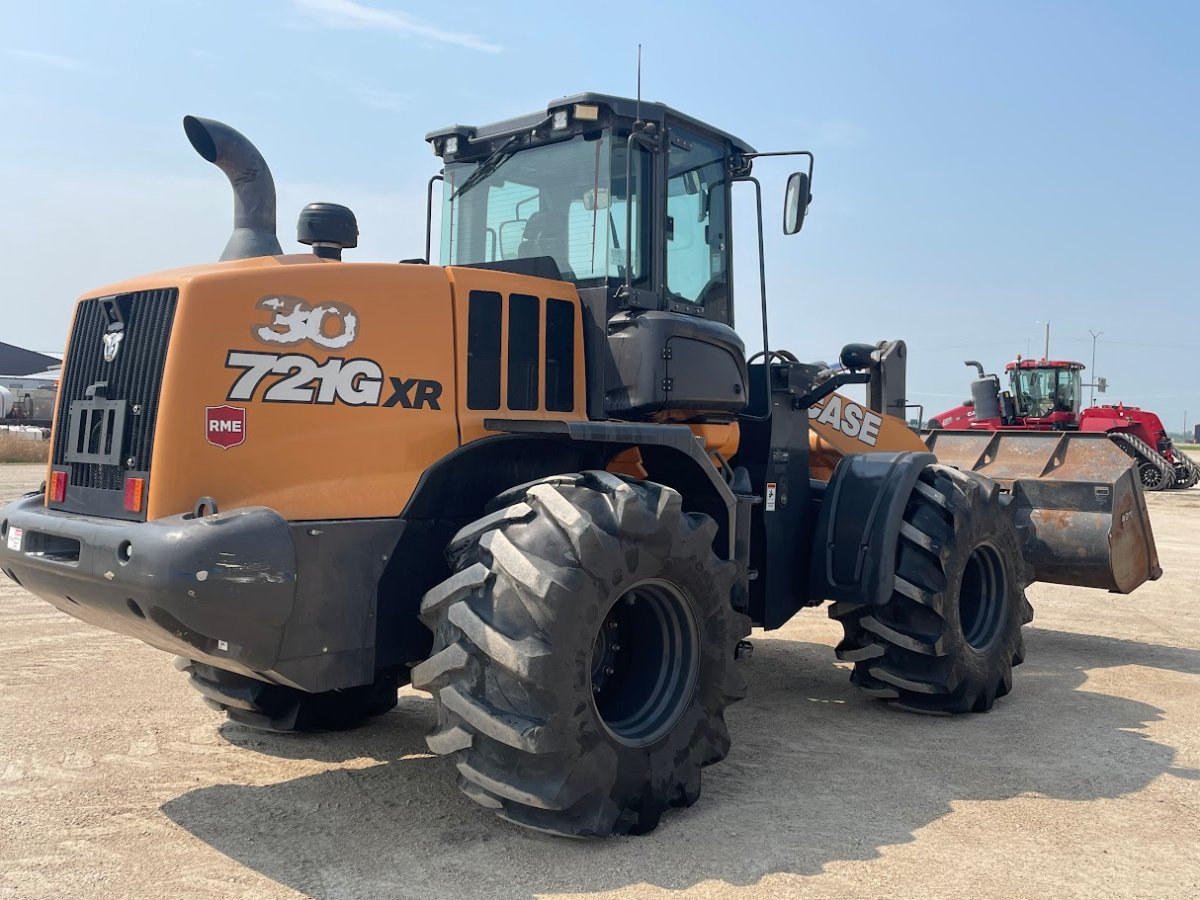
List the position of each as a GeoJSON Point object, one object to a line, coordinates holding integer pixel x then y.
{"type": "Point", "coordinates": [639, 88]}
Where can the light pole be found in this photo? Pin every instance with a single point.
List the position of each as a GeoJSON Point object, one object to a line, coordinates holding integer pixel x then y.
{"type": "Point", "coordinates": [1092, 385]}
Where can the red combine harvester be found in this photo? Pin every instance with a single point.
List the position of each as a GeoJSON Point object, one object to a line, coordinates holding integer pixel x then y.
{"type": "Point", "coordinates": [1045, 395]}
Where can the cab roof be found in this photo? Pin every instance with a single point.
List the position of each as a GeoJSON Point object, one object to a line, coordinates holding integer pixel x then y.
{"type": "Point", "coordinates": [618, 107]}
{"type": "Point", "coordinates": [1043, 364]}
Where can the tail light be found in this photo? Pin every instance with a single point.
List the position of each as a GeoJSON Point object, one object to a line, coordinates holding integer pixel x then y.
{"type": "Point", "coordinates": [134, 494]}
{"type": "Point", "coordinates": [58, 486]}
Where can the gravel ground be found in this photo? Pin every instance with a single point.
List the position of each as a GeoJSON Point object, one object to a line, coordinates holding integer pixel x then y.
{"type": "Point", "coordinates": [116, 781]}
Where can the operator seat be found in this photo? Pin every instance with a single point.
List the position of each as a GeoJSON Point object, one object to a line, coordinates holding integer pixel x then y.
{"type": "Point", "coordinates": [542, 238]}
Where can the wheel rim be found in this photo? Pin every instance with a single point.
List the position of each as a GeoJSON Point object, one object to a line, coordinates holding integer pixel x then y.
{"type": "Point", "coordinates": [644, 662]}
{"type": "Point", "coordinates": [982, 598]}
{"type": "Point", "coordinates": [1151, 476]}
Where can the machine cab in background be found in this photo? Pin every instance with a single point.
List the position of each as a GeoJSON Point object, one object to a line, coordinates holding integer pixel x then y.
{"type": "Point", "coordinates": [631, 204]}
{"type": "Point", "coordinates": [1042, 388]}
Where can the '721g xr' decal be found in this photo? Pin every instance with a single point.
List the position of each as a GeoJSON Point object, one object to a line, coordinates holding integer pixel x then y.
{"type": "Point", "coordinates": [354, 382]}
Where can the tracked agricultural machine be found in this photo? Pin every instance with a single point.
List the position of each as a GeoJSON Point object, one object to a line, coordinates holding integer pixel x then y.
{"type": "Point", "coordinates": [1045, 395]}
{"type": "Point", "coordinates": [541, 480]}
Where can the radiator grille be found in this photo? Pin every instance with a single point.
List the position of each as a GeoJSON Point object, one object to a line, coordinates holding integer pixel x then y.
{"type": "Point", "coordinates": [134, 376]}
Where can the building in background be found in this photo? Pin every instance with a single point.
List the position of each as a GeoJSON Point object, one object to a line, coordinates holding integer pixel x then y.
{"type": "Point", "coordinates": [28, 383]}
{"type": "Point", "coordinates": [19, 361]}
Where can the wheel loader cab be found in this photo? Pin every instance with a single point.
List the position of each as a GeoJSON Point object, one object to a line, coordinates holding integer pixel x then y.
{"type": "Point", "coordinates": [631, 205]}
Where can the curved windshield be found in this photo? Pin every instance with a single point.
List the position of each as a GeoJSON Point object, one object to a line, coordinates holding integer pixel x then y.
{"type": "Point", "coordinates": [565, 200]}
{"type": "Point", "coordinates": [1039, 392]}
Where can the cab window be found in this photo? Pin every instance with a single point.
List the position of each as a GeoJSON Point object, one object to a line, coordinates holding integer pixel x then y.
{"type": "Point", "coordinates": [697, 226]}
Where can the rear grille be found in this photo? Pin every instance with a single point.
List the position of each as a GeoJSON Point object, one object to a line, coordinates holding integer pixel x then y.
{"type": "Point", "coordinates": [134, 376]}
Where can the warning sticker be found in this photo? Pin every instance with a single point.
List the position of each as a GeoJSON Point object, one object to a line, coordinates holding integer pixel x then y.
{"type": "Point", "coordinates": [772, 492]}
{"type": "Point", "coordinates": [14, 538]}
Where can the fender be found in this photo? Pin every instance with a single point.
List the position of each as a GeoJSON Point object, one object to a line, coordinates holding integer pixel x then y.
{"type": "Point", "coordinates": [854, 544]}
{"type": "Point", "coordinates": [454, 491]}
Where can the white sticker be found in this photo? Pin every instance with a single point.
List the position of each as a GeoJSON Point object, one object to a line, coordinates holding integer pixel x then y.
{"type": "Point", "coordinates": [14, 538]}
{"type": "Point", "coordinates": [771, 493]}
{"type": "Point", "coordinates": [222, 645]}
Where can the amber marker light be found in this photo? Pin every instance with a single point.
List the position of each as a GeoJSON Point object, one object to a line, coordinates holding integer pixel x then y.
{"type": "Point", "coordinates": [58, 486]}
{"type": "Point", "coordinates": [133, 494]}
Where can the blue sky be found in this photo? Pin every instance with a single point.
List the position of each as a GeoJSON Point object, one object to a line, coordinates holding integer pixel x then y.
{"type": "Point", "coordinates": [981, 167]}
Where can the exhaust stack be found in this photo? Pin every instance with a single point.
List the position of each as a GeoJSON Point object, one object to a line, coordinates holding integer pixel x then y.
{"type": "Point", "coordinates": [253, 187]}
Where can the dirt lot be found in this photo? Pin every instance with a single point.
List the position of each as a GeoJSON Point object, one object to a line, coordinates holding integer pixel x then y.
{"type": "Point", "coordinates": [116, 781]}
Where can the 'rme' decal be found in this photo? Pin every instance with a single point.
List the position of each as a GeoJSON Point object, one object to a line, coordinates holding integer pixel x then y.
{"type": "Point", "coordinates": [301, 379]}
{"type": "Point", "coordinates": [849, 418]}
{"type": "Point", "coordinates": [225, 426]}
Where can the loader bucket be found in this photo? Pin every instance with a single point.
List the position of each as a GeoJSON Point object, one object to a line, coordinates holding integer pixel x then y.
{"type": "Point", "coordinates": [1079, 503]}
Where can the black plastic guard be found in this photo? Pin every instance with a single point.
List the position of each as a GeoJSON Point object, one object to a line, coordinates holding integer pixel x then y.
{"type": "Point", "coordinates": [854, 545]}
{"type": "Point", "coordinates": [244, 591]}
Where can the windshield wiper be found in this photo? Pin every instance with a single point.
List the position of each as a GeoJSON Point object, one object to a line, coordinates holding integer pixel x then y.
{"type": "Point", "coordinates": [490, 164]}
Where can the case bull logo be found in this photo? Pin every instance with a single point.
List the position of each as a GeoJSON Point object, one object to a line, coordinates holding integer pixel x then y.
{"type": "Point", "coordinates": [111, 341]}
{"type": "Point", "coordinates": [225, 426]}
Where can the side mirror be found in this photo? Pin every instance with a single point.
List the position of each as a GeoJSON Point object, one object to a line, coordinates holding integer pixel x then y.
{"type": "Point", "coordinates": [795, 202]}
{"type": "Point", "coordinates": [1102, 385]}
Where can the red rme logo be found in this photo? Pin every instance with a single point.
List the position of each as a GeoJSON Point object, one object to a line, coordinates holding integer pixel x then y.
{"type": "Point", "coordinates": [225, 426]}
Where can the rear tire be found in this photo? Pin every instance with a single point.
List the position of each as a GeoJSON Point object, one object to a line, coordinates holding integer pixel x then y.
{"type": "Point", "coordinates": [1187, 473]}
{"type": "Point", "coordinates": [273, 707]}
{"type": "Point", "coordinates": [947, 639]}
{"type": "Point", "coordinates": [583, 656]}
{"type": "Point", "coordinates": [1194, 478]}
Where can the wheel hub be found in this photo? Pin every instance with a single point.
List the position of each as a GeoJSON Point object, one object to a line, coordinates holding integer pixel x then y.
{"type": "Point", "coordinates": [983, 598]}
{"type": "Point", "coordinates": [644, 662]}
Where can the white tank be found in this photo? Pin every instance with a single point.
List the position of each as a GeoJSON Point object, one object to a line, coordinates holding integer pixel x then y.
{"type": "Point", "coordinates": [6, 402]}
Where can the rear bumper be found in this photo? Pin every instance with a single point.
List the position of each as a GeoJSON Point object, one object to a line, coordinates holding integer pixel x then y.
{"type": "Point", "coordinates": [244, 591]}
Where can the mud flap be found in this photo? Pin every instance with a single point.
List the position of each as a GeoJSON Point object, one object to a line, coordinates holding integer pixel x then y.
{"type": "Point", "coordinates": [1079, 502]}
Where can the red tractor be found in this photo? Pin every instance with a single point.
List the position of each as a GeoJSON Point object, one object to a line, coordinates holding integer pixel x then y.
{"type": "Point", "coordinates": [1045, 395]}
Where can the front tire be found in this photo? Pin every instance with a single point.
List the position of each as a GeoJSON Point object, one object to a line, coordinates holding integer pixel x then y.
{"type": "Point", "coordinates": [949, 636]}
{"type": "Point", "coordinates": [583, 656]}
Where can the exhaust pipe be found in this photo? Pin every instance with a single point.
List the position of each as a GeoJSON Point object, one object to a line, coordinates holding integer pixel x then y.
{"type": "Point", "coordinates": [253, 187]}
